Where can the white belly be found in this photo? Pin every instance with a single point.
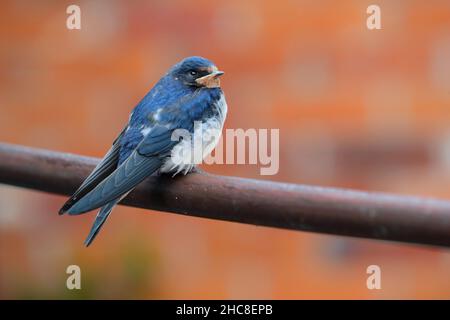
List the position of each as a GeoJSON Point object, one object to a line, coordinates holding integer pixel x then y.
{"type": "Point", "coordinates": [210, 131]}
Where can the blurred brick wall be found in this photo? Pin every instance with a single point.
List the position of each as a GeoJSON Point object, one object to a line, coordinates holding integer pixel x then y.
{"type": "Point", "coordinates": [356, 108]}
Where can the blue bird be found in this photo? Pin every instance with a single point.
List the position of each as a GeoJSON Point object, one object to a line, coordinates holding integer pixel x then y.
{"type": "Point", "coordinates": [187, 94]}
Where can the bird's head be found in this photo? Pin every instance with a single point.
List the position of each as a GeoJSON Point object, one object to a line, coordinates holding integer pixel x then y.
{"type": "Point", "coordinates": [197, 72]}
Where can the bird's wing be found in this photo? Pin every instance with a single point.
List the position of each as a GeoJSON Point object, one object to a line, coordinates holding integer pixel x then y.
{"type": "Point", "coordinates": [106, 166]}
{"type": "Point", "coordinates": [143, 161]}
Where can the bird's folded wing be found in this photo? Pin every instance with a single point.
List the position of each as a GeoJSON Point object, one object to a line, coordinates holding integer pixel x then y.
{"type": "Point", "coordinates": [143, 161]}
{"type": "Point", "coordinates": [105, 167]}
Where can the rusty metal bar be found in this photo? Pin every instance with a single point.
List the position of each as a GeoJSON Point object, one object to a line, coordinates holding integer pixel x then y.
{"type": "Point", "coordinates": [264, 203]}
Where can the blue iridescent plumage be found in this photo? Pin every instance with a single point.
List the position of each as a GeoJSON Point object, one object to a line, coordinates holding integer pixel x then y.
{"type": "Point", "coordinates": [189, 92]}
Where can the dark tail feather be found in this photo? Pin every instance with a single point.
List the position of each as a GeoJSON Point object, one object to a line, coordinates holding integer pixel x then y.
{"type": "Point", "coordinates": [67, 205]}
{"type": "Point", "coordinates": [101, 171]}
{"type": "Point", "coordinates": [100, 219]}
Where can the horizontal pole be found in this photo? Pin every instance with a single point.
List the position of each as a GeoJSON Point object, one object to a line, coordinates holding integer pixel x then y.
{"type": "Point", "coordinates": [280, 205]}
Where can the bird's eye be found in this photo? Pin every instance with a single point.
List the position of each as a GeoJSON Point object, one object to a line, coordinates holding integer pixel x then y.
{"type": "Point", "coordinates": [193, 73]}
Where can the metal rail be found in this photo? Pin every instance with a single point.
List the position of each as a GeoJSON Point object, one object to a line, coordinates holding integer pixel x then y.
{"type": "Point", "coordinates": [264, 203]}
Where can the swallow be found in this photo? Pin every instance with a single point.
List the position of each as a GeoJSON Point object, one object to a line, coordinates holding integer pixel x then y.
{"type": "Point", "coordinates": [188, 93]}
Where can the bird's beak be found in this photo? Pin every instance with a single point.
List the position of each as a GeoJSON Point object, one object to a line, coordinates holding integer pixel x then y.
{"type": "Point", "coordinates": [211, 80]}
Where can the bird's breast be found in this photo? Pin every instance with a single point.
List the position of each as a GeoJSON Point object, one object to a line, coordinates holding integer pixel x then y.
{"type": "Point", "coordinates": [212, 127]}
{"type": "Point", "coordinates": [205, 136]}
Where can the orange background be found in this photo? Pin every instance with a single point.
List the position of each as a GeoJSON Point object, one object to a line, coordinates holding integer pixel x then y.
{"type": "Point", "coordinates": [356, 108]}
